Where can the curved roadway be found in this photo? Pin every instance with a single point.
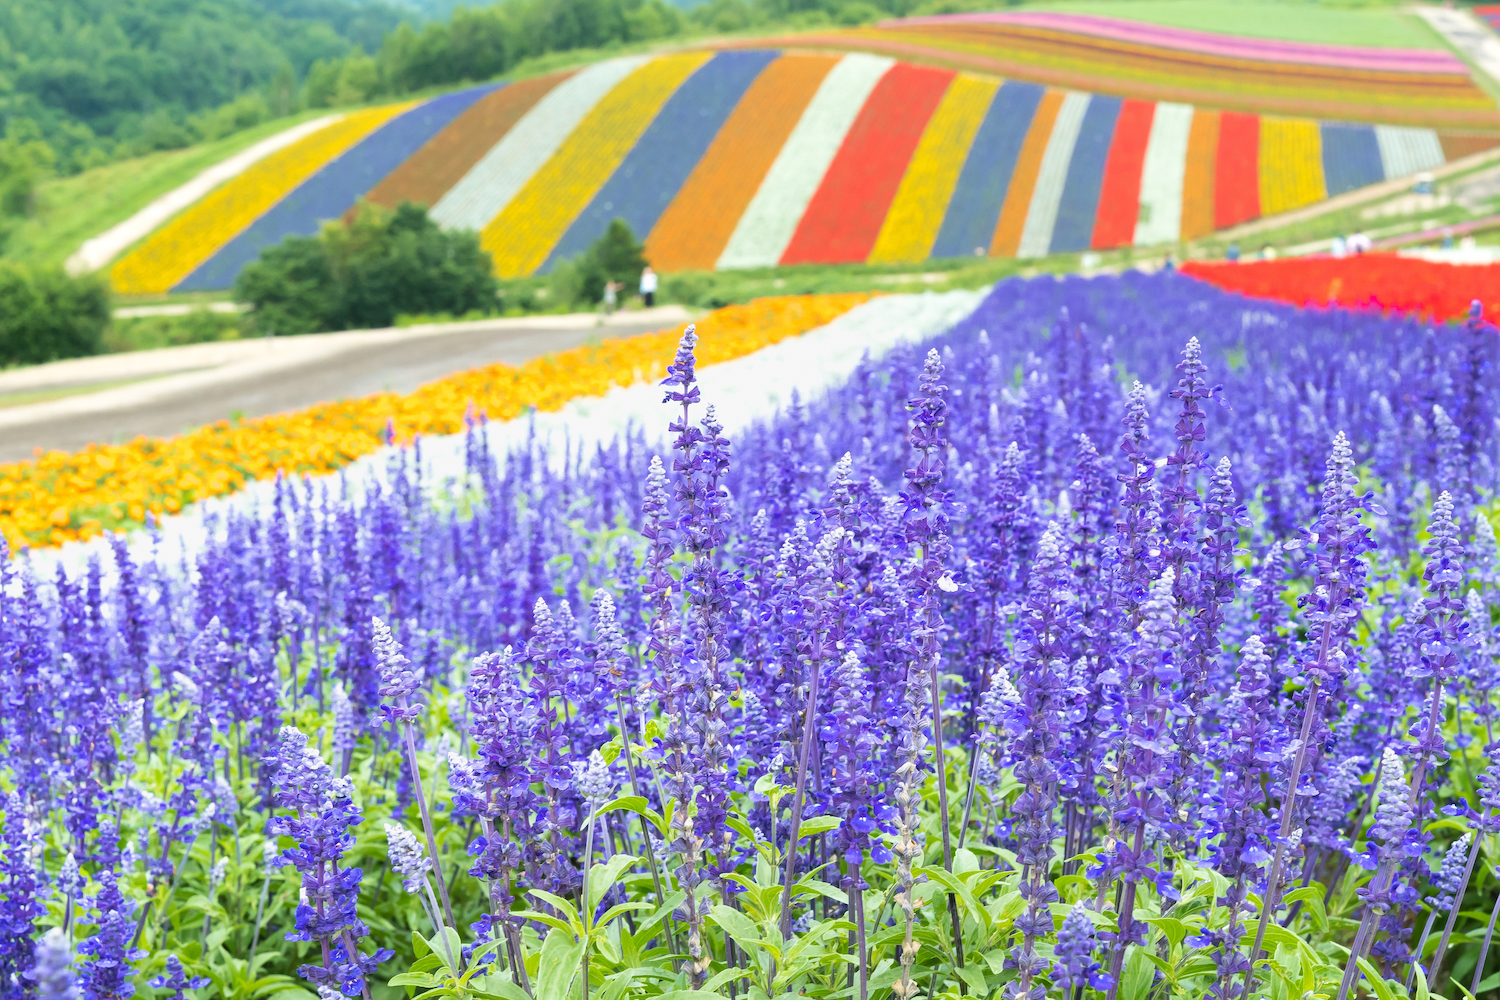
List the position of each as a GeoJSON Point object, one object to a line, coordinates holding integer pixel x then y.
{"type": "Point", "coordinates": [176, 389]}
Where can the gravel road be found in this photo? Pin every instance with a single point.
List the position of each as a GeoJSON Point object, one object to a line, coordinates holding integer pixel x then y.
{"type": "Point", "coordinates": [182, 388]}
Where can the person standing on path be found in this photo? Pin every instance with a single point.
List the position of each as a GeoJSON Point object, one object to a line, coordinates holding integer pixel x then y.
{"type": "Point", "coordinates": [648, 286]}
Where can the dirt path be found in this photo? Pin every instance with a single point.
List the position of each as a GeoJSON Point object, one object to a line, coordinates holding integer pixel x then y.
{"type": "Point", "coordinates": [182, 388]}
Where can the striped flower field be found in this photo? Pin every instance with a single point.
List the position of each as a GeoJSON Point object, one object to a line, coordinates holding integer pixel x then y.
{"type": "Point", "coordinates": [1152, 62]}
{"type": "Point", "coordinates": [755, 157]}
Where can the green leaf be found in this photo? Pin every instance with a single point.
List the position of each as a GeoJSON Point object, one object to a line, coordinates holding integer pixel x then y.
{"type": "Point", "coordinates": [563, 906]}
{"type": "Point", "coordinates": [1421, 984]}
{"type": "Point", "coordinates": [420, 979]}
{"type": "Point", "coordinates": [738, 926]}
{"type": "Point", "coordinates": [611, 750]}
{"type": "Point", "coordinates": [1174, 929]}
{"type": "Point", "coordinates": [615, 986]}
{"type": "Point", "coordinates": [557, 966]}
{"type": "Point", "coordinates": [1135, 982]}
{"type": "Point", "coordinates": [647, 929]}
{"type": "Point", "coordinates": [816, 825]}
{"type": "Point", "coordinates": [1376, 981]}
{"type": "Point", "coordinates": [502, 986]}
{"type": "Point", "coordinates": [725, 977]}
{"type": "Point", "coordinates": [603, 877]}
{"type": "Point", "coordinates": [688, 995]}
{"type": "Point", "coordinates": [419, 944]}
{"type": "Point", "coordinates": [956, 886]}
{"type": "Point", "coordinates": [974, 976]}
{"type": "Point", "coordinates": [630, 803]}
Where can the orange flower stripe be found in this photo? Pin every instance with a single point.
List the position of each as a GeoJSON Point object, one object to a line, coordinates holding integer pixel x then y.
{"type": "Point", "coordinates": [59, 497]}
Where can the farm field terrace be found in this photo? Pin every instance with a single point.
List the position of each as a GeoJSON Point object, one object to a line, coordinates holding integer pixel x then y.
{"type": "Point", "coordinates": [996, 651]}
{"type": "Point", "coordinates": [755, 157]}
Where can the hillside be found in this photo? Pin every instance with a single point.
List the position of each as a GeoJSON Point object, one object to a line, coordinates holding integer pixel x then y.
{"type": "Point", "coordinates": [95, 79]}
{"type": "Point", "coordinates": [755, 157]}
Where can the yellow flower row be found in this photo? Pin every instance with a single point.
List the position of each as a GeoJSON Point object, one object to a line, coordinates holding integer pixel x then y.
{"type": "Point", "coordinates": [526, 230]}
{"type": "Point", "coordinates": [177, 249]}
{"type": "Point", "coordinates": [916, 214]}
{"type": "Point", "coordinates": [59, 497]}
{"type": "Point", "coordinates": [1291, 164]}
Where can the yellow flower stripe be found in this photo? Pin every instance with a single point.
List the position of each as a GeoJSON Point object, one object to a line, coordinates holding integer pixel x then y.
{"type": "Point", "coordinates": [916, 214]}
{"type": "Point", "coordinates": [1291, 164]}
{"type": "Point", "coordinates": [60, 497]}
{"type": "Point", "coordinates": [527, 229]}
{"type": "Point", "coordinates": [175, 250]}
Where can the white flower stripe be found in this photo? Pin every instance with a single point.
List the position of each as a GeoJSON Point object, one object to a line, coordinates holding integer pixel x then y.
{"type": "Point", "coordinates": [771, 218]}
{"type": "Point", "coordinates": [1041, 215]}
{"type": "Point", "coordinates": [1160, 220]}
{"type": "Point", "coordinates": [105, 247]}
{"type": "Point", "coordinates": [490, 184]}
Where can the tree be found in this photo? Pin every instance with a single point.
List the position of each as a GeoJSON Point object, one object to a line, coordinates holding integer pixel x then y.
{"type": "Point", "coordinates": [46, 315]}
{"type": "Point", "coordinates": [365, 272]}
{"type": "Point", "coordinates": [615, 256]}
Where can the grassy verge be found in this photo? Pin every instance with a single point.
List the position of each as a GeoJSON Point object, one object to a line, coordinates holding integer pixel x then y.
{"type": "Point", "coordinates": [72, 209]}
{"type": "Point", "coordinates": [146, 333]}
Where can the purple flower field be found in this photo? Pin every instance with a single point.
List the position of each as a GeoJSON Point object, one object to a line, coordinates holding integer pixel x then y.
{"type": "Point", "coordinates": [1135, 641]}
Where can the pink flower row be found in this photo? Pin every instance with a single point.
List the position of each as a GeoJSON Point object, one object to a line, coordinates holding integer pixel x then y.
{"type": "Point", "coordinates": [1210, 43]}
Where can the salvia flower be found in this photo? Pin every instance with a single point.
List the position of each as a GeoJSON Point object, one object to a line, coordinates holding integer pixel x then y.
{"type": "Point", "coordinates": [1073, 965]}
{"type": "Point", "coordinates": [399, 680]}
{"type": "Point", "coordinates": [52, 972]}
{"type": "Point", "coordinates": [408, 856]}
{"type": "Point", "coordinates": [176, 980]}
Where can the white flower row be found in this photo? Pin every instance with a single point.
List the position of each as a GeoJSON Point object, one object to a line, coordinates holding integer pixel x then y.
{"type": "Point", "coordinates": [742, 391]}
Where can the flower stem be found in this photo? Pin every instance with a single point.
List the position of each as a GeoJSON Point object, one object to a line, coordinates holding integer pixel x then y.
{"type": "Point", "coordinates": [796, 828]}
{"type": "Point", "coordinates": [437, 866]}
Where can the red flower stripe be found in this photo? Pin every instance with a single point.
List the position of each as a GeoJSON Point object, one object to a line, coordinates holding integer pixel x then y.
{"type": "Point", "coordinates": [1373, 281]}
{"type": "Point", "coordinates": [1237, 170]}
{"type": "Point", "coordinates": [844, 218]}
{"type": "Point", "coordinates": [1120, 194]}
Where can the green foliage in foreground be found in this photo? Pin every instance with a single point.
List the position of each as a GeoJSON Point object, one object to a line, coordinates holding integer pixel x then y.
{"type": "Point", "coordinates": [232, 929]}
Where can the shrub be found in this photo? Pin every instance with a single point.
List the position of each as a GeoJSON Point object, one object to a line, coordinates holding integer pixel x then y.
{"type": "Point", "coordinates": [46, 315]}
{"type": "Point", "coordinates": [365, 273]}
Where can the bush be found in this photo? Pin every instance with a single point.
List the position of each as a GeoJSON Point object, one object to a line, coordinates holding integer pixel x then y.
{"type": "Point", "coordinates": [365, 273]}
{"type": "Point", "coordinates": [46, 315]}
{"type": "Point", "coordinates": [615, 256]}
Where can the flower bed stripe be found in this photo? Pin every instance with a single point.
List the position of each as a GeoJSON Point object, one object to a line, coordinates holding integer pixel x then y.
{"type": "Point", "coordinates": [492, 182]}
{"type": "Point", "coordinates": [969, 224]}
{"type": "Point", "coordinates": [1198, 175]}
{"type": "Point", "coordinates": [432, 171]}
{"type": "Point", "coordinates": [1120, 192]}
{"type": "Point", "coordinates": [1409, 60]}
{"type": "Point", "coordinates": [61, 497]}
{"type": "Point", "coordinates": [176, 249]}
{"type": "Point", "coordinates": [1075, 62]}
{"type": "Point", "coordinates": [697, 225]}
{"type": "Point", "coordinates": [100, 250]}
{"type": "Point", "coordinates": [1052, 177]}
{"type": "Point", "coordinates": [911, 226]}
{"type": "Point", "coordinates": [1351, 157]}
{"type": "Point", "coordinates": [843, 219]}
{"type": "Point", "coordinates": [1237, 170]}
{"type": "Point", "coordinates": [527, 229]}
{"type": "Point", "coordinates": [1079, 202]}
{"type": "Point", "coordinates": [1291, 164]}
{"type": "Point", "coordinates": [1381, 281]}
{"type": "Point", "coordinates": [770, 220]}
{"type": "Point", "coordinates": [334, 190]}
{"type": "Point", "coordinates": [1023, 181]}
{"type": "Point", "coordinates": [1163, 173]}
{"type": "Point", "coordinates": [655, 169]}
{"type": "Point", "coordinates": [1406, 151]}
